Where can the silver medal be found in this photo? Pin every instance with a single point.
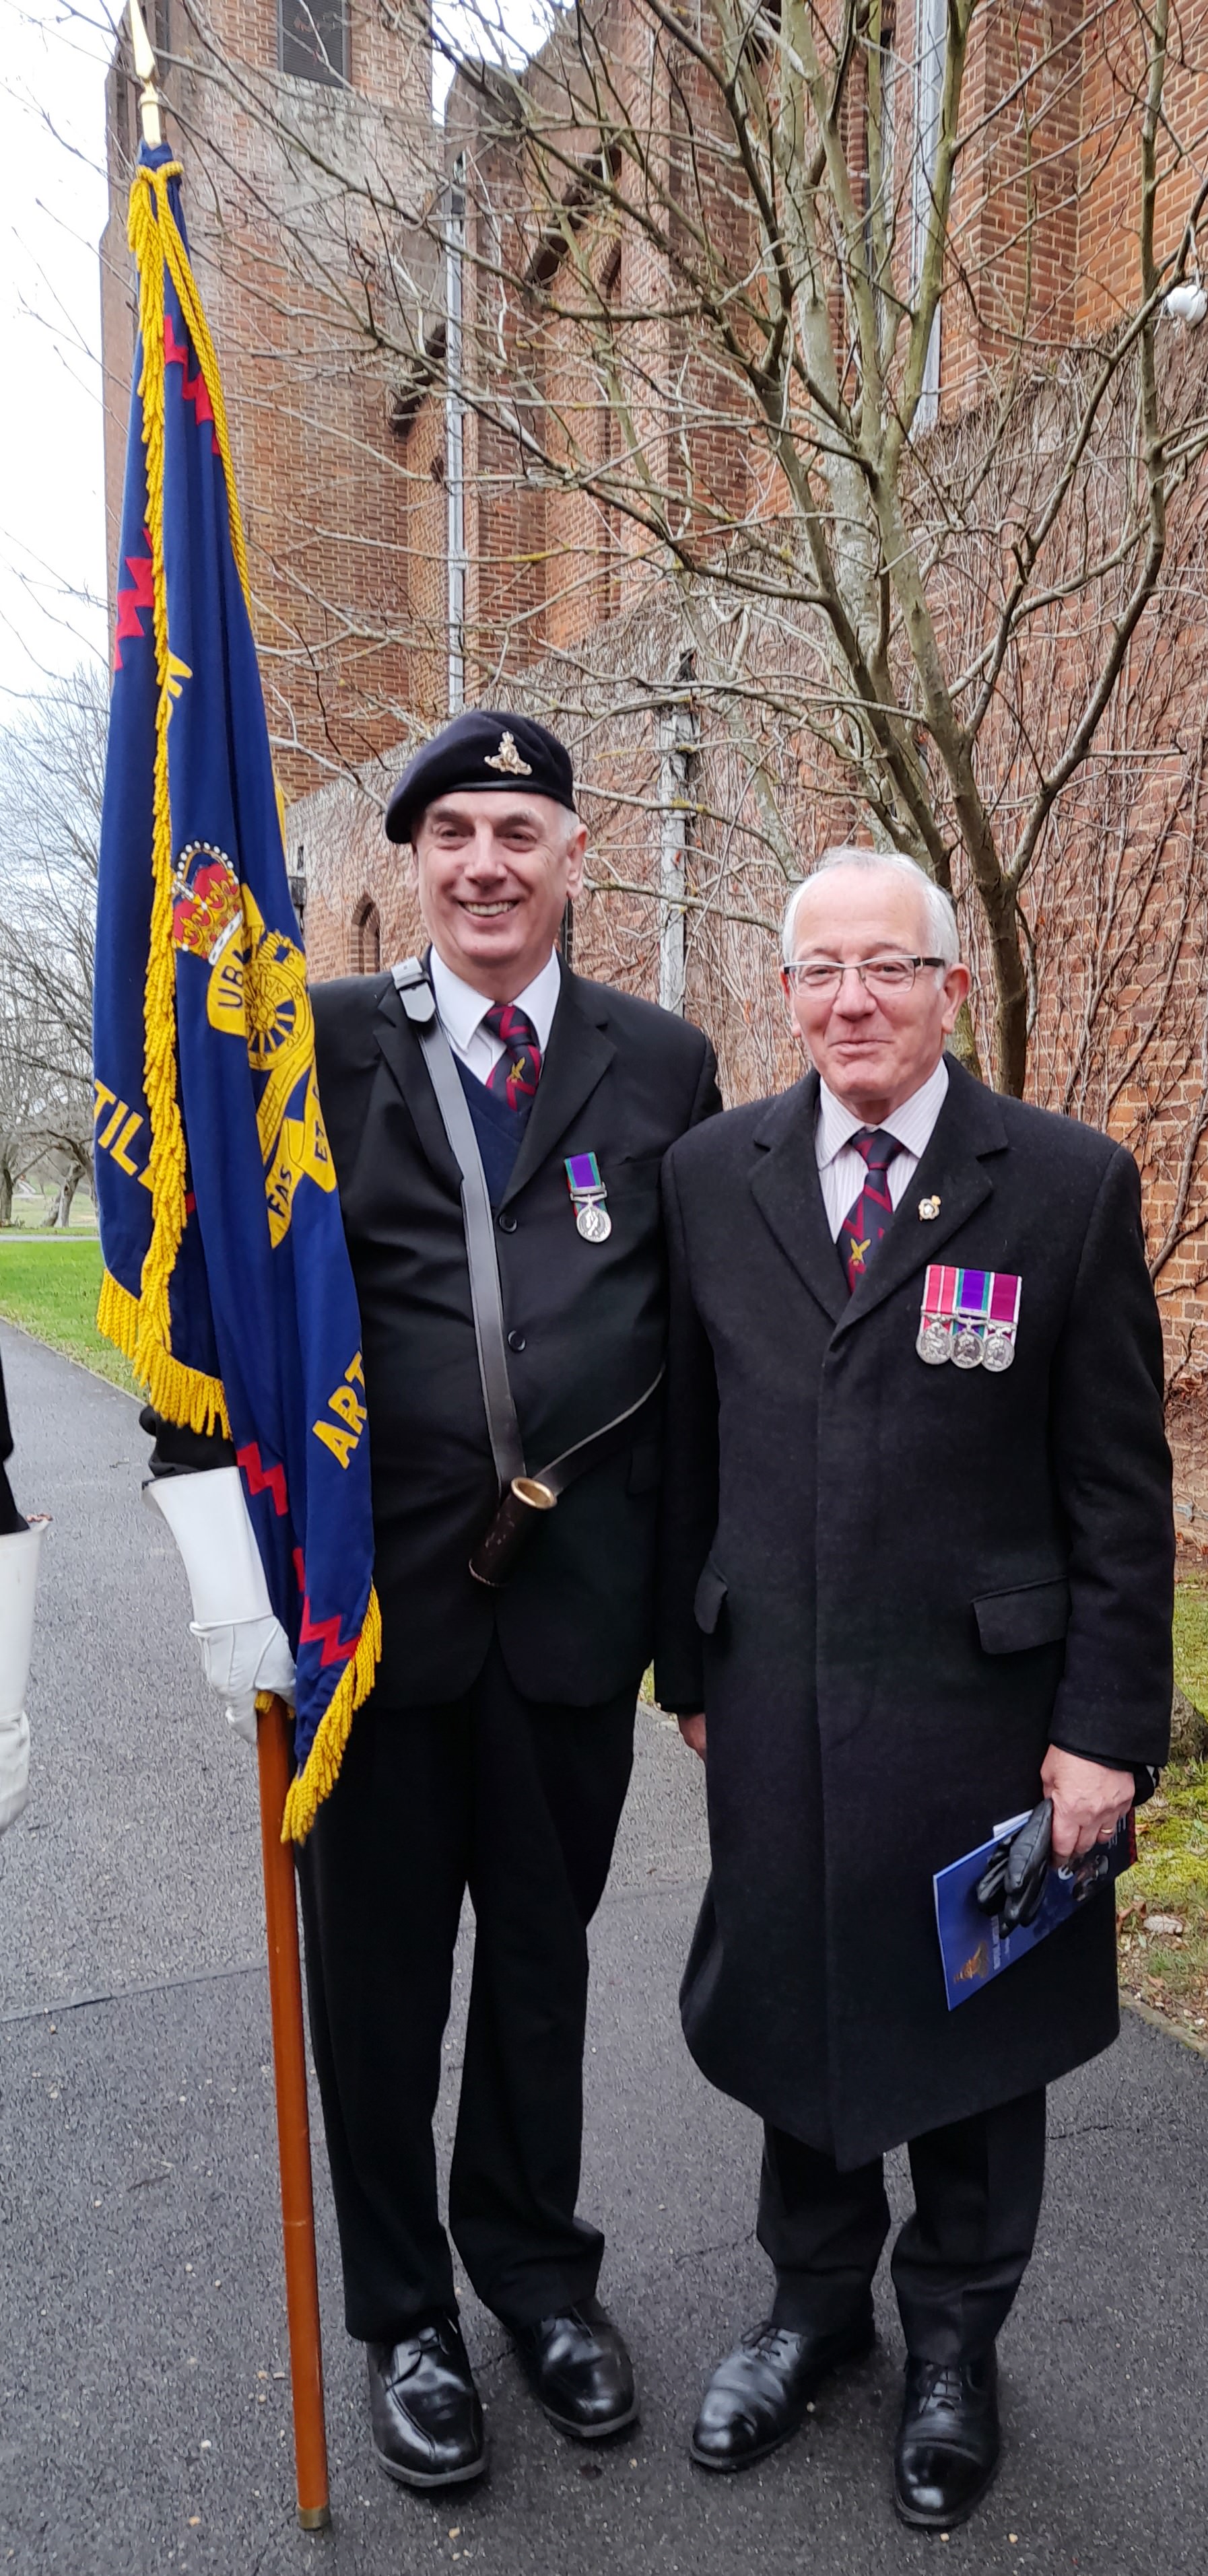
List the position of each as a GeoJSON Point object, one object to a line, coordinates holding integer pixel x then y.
{"type": "Point", "coordinates": [967, 1348]}
{"type": "Point", "coordinates": [934, 1343]}
{"type": "Point", "coordinates": [593, 1221]}
{"type": "Point", "coordinates": [999, 1351]}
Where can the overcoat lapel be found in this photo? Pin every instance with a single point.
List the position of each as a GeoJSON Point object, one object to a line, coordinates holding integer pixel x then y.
{"type": "Point", "coordinates": [788, 1193]}
{"type": "Point", "coordinates": [577, 1057]}
{"type": "Point", "coordinates": [952, 1170]}
{"type": "Point", "coordinates": [400, 1047]}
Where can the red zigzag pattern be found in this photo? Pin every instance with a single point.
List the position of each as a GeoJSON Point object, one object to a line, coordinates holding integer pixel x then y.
{"type": "Point", "coordinates": [326, 1632]}
{"type": "Point", "coordinates": [262, 1479]}
{"type": "Point", "coordinates": [194, 388]}
{"type": "Point", "coordinates": [130, 600]}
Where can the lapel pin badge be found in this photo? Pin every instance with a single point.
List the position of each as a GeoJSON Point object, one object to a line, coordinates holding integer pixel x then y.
{"type": "Point", "coordinates": [929, 1207]}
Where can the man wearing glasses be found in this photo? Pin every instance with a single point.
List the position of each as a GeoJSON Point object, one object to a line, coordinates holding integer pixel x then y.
{"type": "Point", "coordinates": [917, 1573]}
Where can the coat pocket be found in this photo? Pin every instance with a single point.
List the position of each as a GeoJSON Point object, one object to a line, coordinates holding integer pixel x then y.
{"type": "Point", "coordinates": [710, 1597]}
{"type": "Point", "coordinates": [1032, 1614]}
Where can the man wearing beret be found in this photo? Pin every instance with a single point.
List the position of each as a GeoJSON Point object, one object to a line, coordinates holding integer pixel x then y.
{"type": "Point", "coordinates": [495, 1751]}
{"type": "Point", "coordinates": [917, 1579]}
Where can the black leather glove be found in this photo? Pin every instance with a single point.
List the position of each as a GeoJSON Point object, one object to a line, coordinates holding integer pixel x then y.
{"type": "Point", "coordinates": [1012, 1884]}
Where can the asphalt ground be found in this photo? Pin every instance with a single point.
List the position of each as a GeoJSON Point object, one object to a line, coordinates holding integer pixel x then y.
{"type": "Point", "coordinates": [144, 2402]}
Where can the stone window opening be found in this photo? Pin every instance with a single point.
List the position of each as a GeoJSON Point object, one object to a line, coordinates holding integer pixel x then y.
{"type": "Point", "coordinates": [366, 938]}
{"type": "Point", "coordinates": [313, 40]}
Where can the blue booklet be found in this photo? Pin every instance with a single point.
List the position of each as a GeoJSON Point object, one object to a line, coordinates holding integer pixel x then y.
{"type": "Point", "coordinates": [972, 1944]}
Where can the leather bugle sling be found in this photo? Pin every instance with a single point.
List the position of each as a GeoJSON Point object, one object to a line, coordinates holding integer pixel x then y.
{"type": "Point", "coordinates": [522, 1497]}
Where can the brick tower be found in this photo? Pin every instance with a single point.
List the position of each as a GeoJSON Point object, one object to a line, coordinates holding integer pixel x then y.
{"type": "Point", "coordinates": [265, 98]}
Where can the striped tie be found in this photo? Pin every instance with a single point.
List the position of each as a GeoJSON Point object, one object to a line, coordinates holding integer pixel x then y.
{"type": "Point", "coordinates": [863, 1227]}
{"type": "Point", "coordinates": [518, 1071]}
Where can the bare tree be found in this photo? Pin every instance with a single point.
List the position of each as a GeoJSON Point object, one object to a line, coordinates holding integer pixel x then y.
{"type": "Point", "coordinates": [678, 306]}
{"type": "Point", "coordinates": [51, 780]}
{"type": "Point", "coordinates": [20, 1141]}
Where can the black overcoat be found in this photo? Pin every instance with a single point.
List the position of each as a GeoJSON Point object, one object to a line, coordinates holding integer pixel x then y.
{"type": "Point", "coordinates": [586, 1326]}
{"type": "Point", "coordinates": [890, 1586]}
{"type": "Point", "coordinates": [11, 1519]}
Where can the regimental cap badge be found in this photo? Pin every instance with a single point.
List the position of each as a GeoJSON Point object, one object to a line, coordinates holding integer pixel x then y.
{"type": "Point", "coordinates": [206, 902]}
{"type": "Point", "coordinates": [508, 758]}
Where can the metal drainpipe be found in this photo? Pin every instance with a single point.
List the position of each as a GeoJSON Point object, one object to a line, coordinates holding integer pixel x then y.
{"type": "Point", "coordinates": [455, 243]}
{"type": "Point", "coordinates": [676, 742]}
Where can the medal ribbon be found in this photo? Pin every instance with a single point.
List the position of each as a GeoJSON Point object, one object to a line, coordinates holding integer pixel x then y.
{"type": "Point", "coordinates": [979, 1296]}
{"type": "Point", "coordinates": [583, 1177]}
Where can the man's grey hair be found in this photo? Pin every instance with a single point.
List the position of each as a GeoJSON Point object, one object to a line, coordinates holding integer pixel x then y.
{"type": "Point", "coordinates": [943, 936]}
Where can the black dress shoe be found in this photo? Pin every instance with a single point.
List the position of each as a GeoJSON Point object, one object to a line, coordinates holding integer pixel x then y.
{"type": "Point", "coordinates": [948, 2442]}
{"type": "Point", "coordinates": [424, 2408]}
{"type": "Point", "coordinates": [579, 2371]}
{"type": "Point", "coordinates": [758, 2395]}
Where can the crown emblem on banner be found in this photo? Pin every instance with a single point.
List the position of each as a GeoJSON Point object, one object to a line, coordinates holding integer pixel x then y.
{"type": "Point", "coordinates": [507, 757]}
{"type": "Point", "coordinates": [206, 910]}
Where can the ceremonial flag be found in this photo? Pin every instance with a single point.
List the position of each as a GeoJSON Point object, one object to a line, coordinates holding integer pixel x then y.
{"type": "Point", "coordinates": [226, 1281]}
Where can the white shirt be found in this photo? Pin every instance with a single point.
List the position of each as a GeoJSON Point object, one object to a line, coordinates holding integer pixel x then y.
{"type": "Point", "coordinates": [461, 1012]}
{"type": "Point", "coordinates": [843, 1171]}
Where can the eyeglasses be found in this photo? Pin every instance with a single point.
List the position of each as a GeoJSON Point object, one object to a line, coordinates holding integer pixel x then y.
{"type": "Point", "coordinates": [878, 975]}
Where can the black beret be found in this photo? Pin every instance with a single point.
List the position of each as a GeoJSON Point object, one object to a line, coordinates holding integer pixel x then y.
{"type": "Point", "coordinates": [481, 748]}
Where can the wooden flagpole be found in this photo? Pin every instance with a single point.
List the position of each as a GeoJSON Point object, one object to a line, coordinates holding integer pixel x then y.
{"type": "Point", "coordinates": [293, 2124]}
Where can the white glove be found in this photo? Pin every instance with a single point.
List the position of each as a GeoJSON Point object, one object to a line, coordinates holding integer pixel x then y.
{"type": "Point", "coordinates": [244, 1648]}
{"type": "Point", "coordinates": [19, 1553]}
{"type": "Point", "coordinates": [242, 1656]}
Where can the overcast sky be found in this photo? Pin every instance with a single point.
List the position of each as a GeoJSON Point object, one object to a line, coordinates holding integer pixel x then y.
{"type": "Point", "coordinates": [52, 210]}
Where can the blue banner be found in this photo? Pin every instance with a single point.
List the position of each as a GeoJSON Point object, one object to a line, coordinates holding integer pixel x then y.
{"type": "Point", "coordinates": [227, 1280]}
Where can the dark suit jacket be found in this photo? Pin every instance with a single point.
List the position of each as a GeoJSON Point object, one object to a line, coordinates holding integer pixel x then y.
{"type": "Point", "coordinates": [586, 1322]}
{"type": "Point", "coordinates": [890, 1586]}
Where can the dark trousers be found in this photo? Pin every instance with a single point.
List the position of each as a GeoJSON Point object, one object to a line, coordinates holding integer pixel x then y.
{"type": "Point", "coordinates": [518, 1802]}
{"type": "Point", "coordinates": [958, 2260]}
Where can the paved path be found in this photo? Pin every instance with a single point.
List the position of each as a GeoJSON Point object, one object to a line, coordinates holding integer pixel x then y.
{"type": "Point", "coordinates": [144, 2421]}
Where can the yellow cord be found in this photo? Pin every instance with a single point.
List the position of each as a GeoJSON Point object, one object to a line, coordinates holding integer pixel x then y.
{"type": "Point", "coordinates": [153, 1340]}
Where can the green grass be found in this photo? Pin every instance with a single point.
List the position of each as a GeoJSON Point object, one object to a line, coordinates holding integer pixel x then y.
{"type": "Point", "coordinates": [50, 1290]}
{"type": "Point", "coordinates": [1170, 1881]}
{"type": "Point", "coordinates": [1191, 1641]}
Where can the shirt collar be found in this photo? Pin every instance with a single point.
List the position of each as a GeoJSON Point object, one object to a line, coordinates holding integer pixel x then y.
{"type": "Point", "coordinates": [911, 1122]}
{"type": "Point", "coordinates": [462, 1009]}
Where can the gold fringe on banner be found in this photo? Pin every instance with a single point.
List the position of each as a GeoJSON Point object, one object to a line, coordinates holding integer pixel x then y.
{"type": "Point", "coordinates": [183, 1395]}
{"type": "Point", "coordinates": [322, 1767]}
